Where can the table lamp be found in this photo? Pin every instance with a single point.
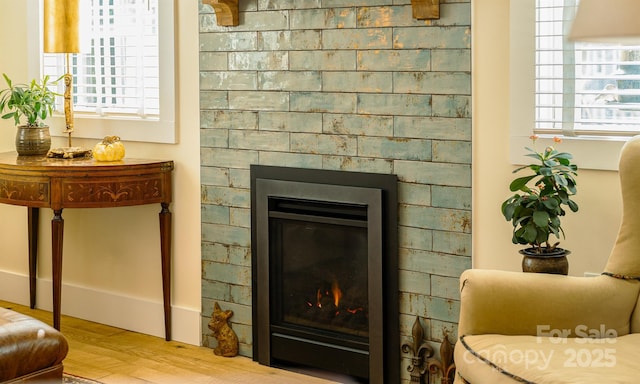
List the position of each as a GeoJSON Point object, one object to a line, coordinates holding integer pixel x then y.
{"type": "Point", "coordinates": [61, 35]}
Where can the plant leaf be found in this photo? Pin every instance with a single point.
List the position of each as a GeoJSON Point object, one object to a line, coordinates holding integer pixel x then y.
{"type": "Point", "coordinates": [520, 184]}
{"type": "Point", "coordinates": [573, 205]}
{"type": "Point", "coordinates": [541, 219]}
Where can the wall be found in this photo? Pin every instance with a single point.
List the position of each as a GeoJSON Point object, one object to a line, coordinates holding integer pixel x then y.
{"type": "Point", "coordinates": [346, 85]}
{"type": "Point", "coordinates": [111, 266]}
{"type": "Point", "coordinates": [591, 231]}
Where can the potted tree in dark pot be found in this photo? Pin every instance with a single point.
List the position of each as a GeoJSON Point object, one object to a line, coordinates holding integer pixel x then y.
{"type": "Point", "coordinates": [535, 210]}
{"type": "Point", "coordinates": [32, 102]}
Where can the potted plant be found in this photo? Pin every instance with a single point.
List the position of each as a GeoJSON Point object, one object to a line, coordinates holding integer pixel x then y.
{"type": "Point", "coordinates": [32, 102]}
{"type": "Point", "coordinates": [537, 206]}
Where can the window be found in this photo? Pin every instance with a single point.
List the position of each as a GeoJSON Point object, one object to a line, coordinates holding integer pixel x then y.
{"type": "Point", "coordinates": [581, 88]}
{"type": "Point", "coordinates": [587, 93]}
{"type": "Point", "coordinates": [124, 76]}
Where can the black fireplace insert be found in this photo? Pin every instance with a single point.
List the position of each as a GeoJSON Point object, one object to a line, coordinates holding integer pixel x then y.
{"type": "Point", "coordinates": [324, 271]}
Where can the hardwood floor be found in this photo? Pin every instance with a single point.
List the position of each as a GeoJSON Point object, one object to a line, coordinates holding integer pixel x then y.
{"type": "Point", "coordinates": [113, 355]}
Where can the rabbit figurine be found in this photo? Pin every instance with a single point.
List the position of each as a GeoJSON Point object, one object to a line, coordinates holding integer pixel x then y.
{"type": "Point", "coordinates": [227, 338]}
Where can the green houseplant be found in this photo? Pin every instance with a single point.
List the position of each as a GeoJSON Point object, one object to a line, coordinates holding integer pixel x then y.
{"type": "Point", "coordinates": [29, 105]}
{"type": "Point", "coordinates": [539, 201]}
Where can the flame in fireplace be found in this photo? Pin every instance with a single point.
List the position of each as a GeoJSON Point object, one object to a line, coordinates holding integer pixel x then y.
{"type": "Point", "coordinates": [334, 295]}
{"type": "Point", "coordinates": [337, 293]}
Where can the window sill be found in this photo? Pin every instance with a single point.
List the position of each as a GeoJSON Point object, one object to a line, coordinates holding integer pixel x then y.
{"type": "Point", "coordinates": [128, 129]}
{"type": "Point", "coordinates": [588, 152]}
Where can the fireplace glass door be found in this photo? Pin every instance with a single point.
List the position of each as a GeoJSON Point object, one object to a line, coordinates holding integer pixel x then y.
{"type": "Point", "coordinates": [320, 268]}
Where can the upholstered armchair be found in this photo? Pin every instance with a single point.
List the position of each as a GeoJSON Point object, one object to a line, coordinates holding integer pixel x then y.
{"type": "Point", "coordinates": [542, 328]}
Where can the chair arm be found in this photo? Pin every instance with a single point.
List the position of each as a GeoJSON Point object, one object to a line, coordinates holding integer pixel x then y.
{"type": "Point", "coordinates": [514, 303]}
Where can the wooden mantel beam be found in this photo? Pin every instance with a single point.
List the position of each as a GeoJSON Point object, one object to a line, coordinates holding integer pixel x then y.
{"type": "Point", "coordinates": [226, 11]}
{"type": "Point", "coordinates": [426, 9]}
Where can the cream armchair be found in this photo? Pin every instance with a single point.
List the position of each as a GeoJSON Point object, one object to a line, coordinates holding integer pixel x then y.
{"type": "Point", "coordinates": [540, 328]}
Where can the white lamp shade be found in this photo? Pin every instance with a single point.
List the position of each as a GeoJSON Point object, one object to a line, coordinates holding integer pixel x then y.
{"type": "Point", "coordinates": [607, 21]}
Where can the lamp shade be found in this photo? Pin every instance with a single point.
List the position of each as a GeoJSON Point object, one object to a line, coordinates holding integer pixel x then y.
{"type": "Point", "coordinates": [607, 21]}
{"type": "Point", "coordinates": [61, 26]}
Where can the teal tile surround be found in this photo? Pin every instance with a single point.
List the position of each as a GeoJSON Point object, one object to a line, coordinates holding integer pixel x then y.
{"type": "Point", "coordinates": [342, 85]}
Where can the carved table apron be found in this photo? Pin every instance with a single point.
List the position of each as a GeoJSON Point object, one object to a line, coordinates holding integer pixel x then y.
{"type": "Point", "coordinates": [38, 182]}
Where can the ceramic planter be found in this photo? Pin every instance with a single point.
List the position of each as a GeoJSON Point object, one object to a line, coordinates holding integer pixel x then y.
{"type": "Point", "coordinates": [552, 262]}
{"type": "Point", "coordinates": [32, 141]}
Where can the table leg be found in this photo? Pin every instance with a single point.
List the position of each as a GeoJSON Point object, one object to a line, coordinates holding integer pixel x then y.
{"type": "Point", "coordinates": [33, 215]}
{"type": "Point", "coordinates": [57, 230]}
{"type": "Point", "coordinates": [165, 251]}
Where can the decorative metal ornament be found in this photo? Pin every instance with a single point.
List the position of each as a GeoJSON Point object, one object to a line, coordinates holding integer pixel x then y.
{"type": "Point", "coordinates": [446, 366]}
{"type": "Point", "coordinates": [421, 352]}
{"type": "Point", "coordinates": [423, 361]}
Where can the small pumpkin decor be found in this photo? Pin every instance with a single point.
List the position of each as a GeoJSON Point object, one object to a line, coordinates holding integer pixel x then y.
{"type": "Point", "coordinates": [535, 211]}
{"type": "Point", "coordinates": [109, 149]}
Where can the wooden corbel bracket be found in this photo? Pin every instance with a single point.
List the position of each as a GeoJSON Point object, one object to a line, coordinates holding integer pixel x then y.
{"type": "Point", "coordinates": [226, 11]}
{"type": "Point", "coordinates": [426, 9]}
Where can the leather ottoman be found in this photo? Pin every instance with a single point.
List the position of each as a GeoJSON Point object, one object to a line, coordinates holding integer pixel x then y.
{"type": "Point", "coordinates": [30, 350]}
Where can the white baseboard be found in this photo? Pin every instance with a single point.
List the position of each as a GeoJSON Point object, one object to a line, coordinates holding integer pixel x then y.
{"type": "Point", "coordinates": [127, 312]}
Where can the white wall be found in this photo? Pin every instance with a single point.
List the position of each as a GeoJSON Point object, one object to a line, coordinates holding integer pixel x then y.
{"type": "Point", "coordinates": [591, 231]}
{"type": "Point", "coordinates": [111, 264]}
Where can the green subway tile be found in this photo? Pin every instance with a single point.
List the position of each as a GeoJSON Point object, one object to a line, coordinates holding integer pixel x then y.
{"type": "Point", "coordinates": [230, 158]}
{"type": "Point", "coordinates": [415, 238]}
{"type": "Point", "coordinates": [370, 82]}
{"type": "Point", "coordinates": [369, 38]}
{"type": "Point", "coordinates": [259, 140]}
{"type": "Point", "coordinates": [290, 40]}
{"type": "Point", "coordinates": [214, 214]}
{"type": "Point", "coordinates": [357, 164]}
{"type": "Point", "coordinates": [290, 122]}
{"type": "Point", "coordinates": [290, 81]}
{"type": "Point", "coordinates": [458, 175]}
{"type": "Point", "coordinates": [445, 287]}
{"type": "Point", "coordinates": [415, 282]}
{"type": "Point", "coordinates": [214, 176]}
{"type": "Point", "coordinates": [414, 194]}
{"type": "Point", "coordinates": [323, 102]}
{"type": "Point", "coordinates": [433, 262]}
{"type": "Point", "coordinates": [394, 60]}
{"type": "Point", "coordinates": [394, 104]}
{"type": "Point", "coordinates": [451, 197]}
{"type": "Point", "coordinates": [394, 148]}
{"type": "Point", "coordinates": [444, 128]}
{"type": "Point", "coordinates": [326, 60]}
{"type": "Point", "coordinates": [224, 234]}
{"type": "Point", "coordinates": [327, 18]}
{"type": "Point", "coordinates": [360, 125]}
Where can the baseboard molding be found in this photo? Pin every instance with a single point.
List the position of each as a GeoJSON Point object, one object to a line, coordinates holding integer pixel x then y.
{"type": "Point", "coordinates": [127, 312]}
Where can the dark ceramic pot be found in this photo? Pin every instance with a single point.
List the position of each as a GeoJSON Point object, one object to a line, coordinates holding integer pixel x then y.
{"type": "Point", "coordinates": [553, 262]}
{"type": "Point", "coordinates": [32, 141]}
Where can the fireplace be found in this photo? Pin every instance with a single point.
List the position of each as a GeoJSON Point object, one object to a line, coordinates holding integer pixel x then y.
{"type": "Point", "coordinates": [324, 271]}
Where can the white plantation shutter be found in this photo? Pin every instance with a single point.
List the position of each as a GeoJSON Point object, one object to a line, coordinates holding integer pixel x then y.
{"type": "Point", "coordinates": [581, 88]}
{"type": "Point", "coordinates": [117, 74]}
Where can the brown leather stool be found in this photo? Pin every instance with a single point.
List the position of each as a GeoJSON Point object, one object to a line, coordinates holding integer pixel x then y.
{"type": "Point", "coordinates": [30, 350]}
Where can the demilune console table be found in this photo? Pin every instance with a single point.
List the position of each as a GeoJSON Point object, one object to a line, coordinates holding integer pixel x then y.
{"type": "Point", "coordinates": [39, 182]}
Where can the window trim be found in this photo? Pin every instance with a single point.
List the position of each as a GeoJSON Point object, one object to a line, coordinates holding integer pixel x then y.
{"type": "Point", "coordinates": [600, 153]}
{"type": "Point", "coordinates": [160, 130]}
